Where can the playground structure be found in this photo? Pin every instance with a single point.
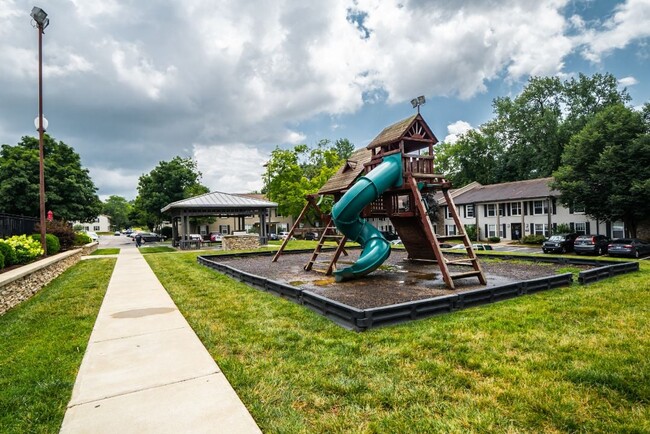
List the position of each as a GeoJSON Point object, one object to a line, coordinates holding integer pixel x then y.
{"type": "Point", "coordinates": [388, 179]}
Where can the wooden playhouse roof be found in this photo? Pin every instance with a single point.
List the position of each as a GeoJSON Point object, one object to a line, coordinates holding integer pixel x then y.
{"type": "Point", "coordinates": [413, 130]}
{"type": "Point", "coordinates": [348, 173]}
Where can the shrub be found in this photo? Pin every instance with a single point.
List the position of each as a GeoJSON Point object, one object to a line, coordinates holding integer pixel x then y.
{"type": "Point", "coordinates": [470, 230]}
{"type": "Point", "coordinates": [2, 261]}
{"type": "Point", "coordinates": [533, 239]}
{"type": "Point", "coordinates": [8, 252]}
{"type": "Point", "coordinates": [494, 239]}
{"type": "Point", "coordinates": [562, 228]}
{"type": "Point", "coordinates": [62, 230]}
{"type": "Point", "coordinates": [27, 249]}
{"type": "Point", "coordinates": [80, 239]}
{"type": "Point", "coordinates": [52, 242]}
{"type": "Point", "coordinates": [166, 231]}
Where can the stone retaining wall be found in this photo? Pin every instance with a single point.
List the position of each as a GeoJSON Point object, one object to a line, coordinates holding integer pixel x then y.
{"type": "Point", "coordinates": [240, 242]}
{"type": "Point", "coordinates": [22, 283]}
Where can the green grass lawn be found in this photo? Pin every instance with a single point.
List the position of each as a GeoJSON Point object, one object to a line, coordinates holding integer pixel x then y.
{"type": "Point", "coordinates": [107, 251]}
{"type": "Point", "coordinates": [568, 360]}
{"type": "Point", "coordinates": [42, 342]}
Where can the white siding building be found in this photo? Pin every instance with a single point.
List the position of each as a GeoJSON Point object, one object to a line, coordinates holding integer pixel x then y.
{"type": "Point", "coordinates": [513, 210]}
{"type": "Point", "coordinates": [101, 224]}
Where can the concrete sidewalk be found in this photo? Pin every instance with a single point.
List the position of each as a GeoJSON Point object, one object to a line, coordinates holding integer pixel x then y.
{"type": "Point", "coordinates": [145, 370]}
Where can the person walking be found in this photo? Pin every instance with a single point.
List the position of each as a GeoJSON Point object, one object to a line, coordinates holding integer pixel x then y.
{"type": "Point", "coordinates": [138, 240]}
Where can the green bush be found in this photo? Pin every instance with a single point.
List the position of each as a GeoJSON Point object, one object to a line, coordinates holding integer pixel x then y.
{"type": "Point", "coordinates": [494, 239]}
{"type": "Point", "coordinates": [2, 261]}
{"type": "Point", "coordinates": [80, 239]}
{"type": "Point", "coordinates": [52, 242]}
{"type": "Point", "coordinates": [27, 249]}
{"type": "Point", "coordinates": [166, 231]}
{"type": "Point", "coordinates": [62, 230]}
{"type": "Point", "coordinates": [8, 252]}
{"type": "Point", "coordinates": [533, 239]}
{"type": "Point", "coordinates": [470, 230]}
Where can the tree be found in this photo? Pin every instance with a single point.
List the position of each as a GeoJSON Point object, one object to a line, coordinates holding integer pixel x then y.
{"type": "Point", "coordinates": [474, 156]}
{"type": "Point", "coordinates": [168, 182]}
{"type": "Point", "coordinates": [291, 174]}
{"type": "Point", "coordinates": [118, 209]}
{"type": "Point", "coordinates": [606, 167]}
{"type": "Point", "coordinates": [529, 132]}
{"type": "Point", "coordinates": [69, 191]}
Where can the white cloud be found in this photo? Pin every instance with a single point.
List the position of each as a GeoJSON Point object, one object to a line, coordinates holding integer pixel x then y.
{"type": "Point", "coordinates": [455, 130]}
{"type": "Point", "coordinates": [233, 168]}
{"type": "Point", "coordinates": [137, 71]}
{"type": "Point", "coordinates": [629, 23]}
{"type": "Point", "coordinates": [627, 81]}
{"type": "Point", "coordinates": [118, 182]}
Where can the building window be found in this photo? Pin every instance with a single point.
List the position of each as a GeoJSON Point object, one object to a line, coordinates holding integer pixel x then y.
{"type": "Point", "coordinates": [502, 231]}
{"type": "Point", "coordinates": [578, 208]}
{"type": "Point", "coordinates": [515, 208]}
{"type": "Point", "coordinates": [541, 229]}
{"type": "Point", "coordinates": [502, 209]}
{"type": "Point", "coordinates": [581, 229]}
{"type": "Point", "coordinates": [492, 231]}
{"type": "Point", "coordinates": [450, 229]}
{"type": "Point", "coordinates": [96, 228]}
{"type": "Point", "coordinates": [469, 210]}
{"type": "Point", "coordinates": [618, 230]}
{"type": "Point", "coordinates": [540, 207]}
{"type": "Point", "coordinates": [491, 210]}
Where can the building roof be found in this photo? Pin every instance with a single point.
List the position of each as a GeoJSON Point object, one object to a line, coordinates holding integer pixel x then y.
{"type": "Point", "coordinates": [347, 173]}
{"type": "Point", "coordinates": [517, 190]}
{"type": "Point", "coordinates": [219, 200]}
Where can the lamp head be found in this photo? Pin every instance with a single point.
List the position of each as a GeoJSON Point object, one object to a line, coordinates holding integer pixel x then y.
{"type": "Point", "coordinates": [40, 16]}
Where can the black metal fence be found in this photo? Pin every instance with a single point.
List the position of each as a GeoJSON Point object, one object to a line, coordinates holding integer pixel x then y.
{"type": "Point", "coordinates": [11, 225]}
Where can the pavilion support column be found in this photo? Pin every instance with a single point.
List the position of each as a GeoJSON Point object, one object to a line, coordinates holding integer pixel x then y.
{"type": "Point", "coordinates": [263, 232]}
{"type": "Point", "coordinates": [174, 230]}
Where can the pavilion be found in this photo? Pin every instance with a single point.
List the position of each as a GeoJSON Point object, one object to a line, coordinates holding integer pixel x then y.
{"type": "Point", "coordinates": [217, 204]}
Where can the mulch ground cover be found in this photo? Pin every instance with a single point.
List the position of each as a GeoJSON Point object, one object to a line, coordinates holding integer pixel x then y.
{"type": "Point", "coordinates": [398, 280]}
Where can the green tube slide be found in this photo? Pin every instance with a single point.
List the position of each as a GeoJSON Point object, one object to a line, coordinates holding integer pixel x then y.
{"type": "Point", "coordinates": [345, 213]}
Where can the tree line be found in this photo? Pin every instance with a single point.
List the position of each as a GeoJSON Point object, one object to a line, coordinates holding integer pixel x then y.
{"type": "Point", "coordinates": [581, 131]}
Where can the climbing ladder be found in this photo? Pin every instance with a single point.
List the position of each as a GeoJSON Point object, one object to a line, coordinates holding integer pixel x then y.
{"type": "Point", "coordinates": [333, 257]}
{"type": "Point", "coordinates": [443, 262]}
{"type": "Point", "coordinates": [311, 203]}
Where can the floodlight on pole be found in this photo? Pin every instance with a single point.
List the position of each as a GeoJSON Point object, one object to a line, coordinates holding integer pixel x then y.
{"type": "Point", "coordinates": [417, 102]}
{"type": "Point", "coordinates": [41, 20]}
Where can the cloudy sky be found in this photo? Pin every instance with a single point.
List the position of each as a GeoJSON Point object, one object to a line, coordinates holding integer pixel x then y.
{"type": "Point", "coordinates": [132, 83]}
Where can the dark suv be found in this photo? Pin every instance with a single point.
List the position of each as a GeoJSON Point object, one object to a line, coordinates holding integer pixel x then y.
{"type": "Point", "coordinates": [591, 244]}
{"type": "Point", "coordinates": [311, 236]}
{"type": "Point", "coordinates": [560, 243]}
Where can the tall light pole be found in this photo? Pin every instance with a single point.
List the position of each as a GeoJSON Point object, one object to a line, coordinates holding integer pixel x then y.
{"type": "Point", "coordinates": [41, 20]}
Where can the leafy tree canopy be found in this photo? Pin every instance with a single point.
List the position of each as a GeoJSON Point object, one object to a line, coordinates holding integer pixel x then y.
{"type": "Point", "coordinates": [528, 134]}
{"type": "Point", "coordinates": [69, 191]}
{"type": "Point", "coordinates": [118, 209]}
{"type": "Point", "coordinates": [291, 174]}
{"type": "Point", "coordinates": [606, 167]}
{"type": "Point", "coordinates": [168, 182]}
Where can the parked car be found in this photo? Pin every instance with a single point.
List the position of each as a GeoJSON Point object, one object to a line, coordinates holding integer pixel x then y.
{"type": "Point", "coordinates": [312, 236]}
{"type": "Point", "coordinates": [284, 235]}
{"type": "Point", "coordinates": [117, 233]}
{"type": "Point", "coordinates": [560, 243]}
{"type": "Point", "coordinates": [474, 247]}
{"type": "Point", "coordinates": [93, 236]}
{"type": "Point", "coordinates": [216, 237]}
{"type": "Point", "coordinates": [273, 236]}
{"type": "Point", "coordinates": [628, 247]}
{"type": "Point", "coordinates": [150, 237]}
{"type": "Point", "coordinates": [591, 244]}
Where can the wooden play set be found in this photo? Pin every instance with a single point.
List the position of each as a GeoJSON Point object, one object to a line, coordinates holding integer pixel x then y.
{"type": "Point", "coordinates": [388, 179]}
